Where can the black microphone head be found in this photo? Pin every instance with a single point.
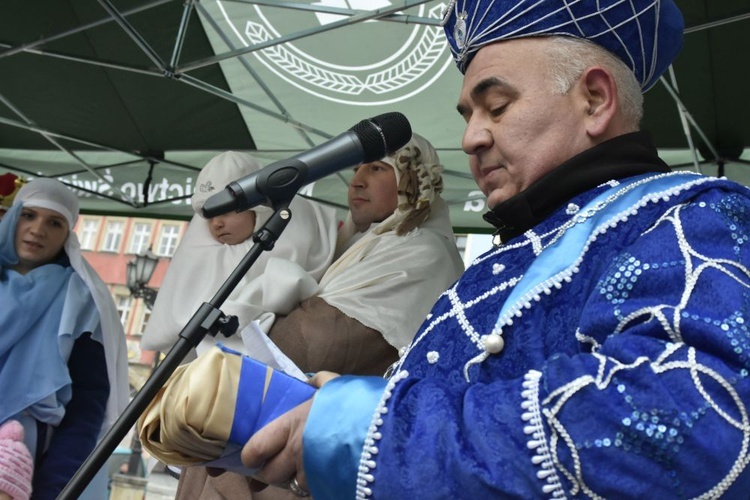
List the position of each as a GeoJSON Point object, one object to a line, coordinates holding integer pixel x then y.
{"type": "Point", "coordinates": [382, 135]}
{"type": "Point", "coordinates": [220, 203]}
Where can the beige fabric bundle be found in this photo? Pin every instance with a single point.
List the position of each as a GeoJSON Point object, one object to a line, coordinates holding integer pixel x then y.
{"type": "Point", "coordinates": [189, 420]}
{"type": "Point", "coordinates": [210, 407]}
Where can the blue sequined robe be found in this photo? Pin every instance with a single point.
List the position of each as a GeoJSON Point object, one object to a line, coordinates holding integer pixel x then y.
{"type": "Point", "coordinates": [616, 369]}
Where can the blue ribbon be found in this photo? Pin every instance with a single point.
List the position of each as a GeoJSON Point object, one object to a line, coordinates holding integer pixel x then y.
{"type": "Point", "coordinates": [263, 394]}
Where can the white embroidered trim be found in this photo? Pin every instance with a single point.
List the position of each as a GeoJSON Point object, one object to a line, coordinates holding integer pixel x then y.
{"type": "Point", "coordinates": [536, 242]}
{"type": "Point", "coordinates": [367, 460]}
{"type": "Point", "coordinates": [674, 357]}
{"type": "Point", "coordinates": [555, 282]}
{"type": "Point", "coordinates": [565, 276]}
{"type": "Point", "coordinates": [532, 416]}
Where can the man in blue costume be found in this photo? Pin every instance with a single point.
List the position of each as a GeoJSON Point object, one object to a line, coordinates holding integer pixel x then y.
{"type": "Point", "coordinates": [601, 348]}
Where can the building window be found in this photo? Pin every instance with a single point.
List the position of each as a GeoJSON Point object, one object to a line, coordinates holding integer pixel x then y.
{"type": "Point", "coordinates": [87, 234]}
{"type": "Point", "coordinates": [124, 304]}
{"type": "Point", "coordinates": [144, 321]}
{"type": "Point", "coordinates": [140, 238]}
{"type": "Point", "coordinates": [168, 240]}
{"type": "Point", "coordinates": [113, 236]}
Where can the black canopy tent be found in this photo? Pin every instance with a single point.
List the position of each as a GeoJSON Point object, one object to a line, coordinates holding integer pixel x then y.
{"type": "Point", "coordinates": [702, 101]}
{"type": "Point", "coordinates": [122, 98]}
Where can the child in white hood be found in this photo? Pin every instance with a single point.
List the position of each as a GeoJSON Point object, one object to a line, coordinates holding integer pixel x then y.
{"type": "Point", "coordinates": [212, 249]}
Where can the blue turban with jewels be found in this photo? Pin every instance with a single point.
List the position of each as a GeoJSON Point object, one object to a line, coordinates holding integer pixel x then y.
{"type": "Point", "coordinates": [645, 34]}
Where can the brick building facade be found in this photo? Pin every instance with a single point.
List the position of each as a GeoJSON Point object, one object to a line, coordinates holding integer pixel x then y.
{"type": "Point", "coordinates": [108, 243]}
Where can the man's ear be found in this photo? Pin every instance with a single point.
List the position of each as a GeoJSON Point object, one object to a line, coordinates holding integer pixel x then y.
{"type": "Point", "coordinates": [599, 92]}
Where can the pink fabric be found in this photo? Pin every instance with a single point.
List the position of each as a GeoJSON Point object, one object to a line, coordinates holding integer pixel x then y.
{"type": "Point", "coordinates": [16, 464]}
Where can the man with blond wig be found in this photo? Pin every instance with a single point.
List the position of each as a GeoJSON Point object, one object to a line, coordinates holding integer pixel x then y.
{"type": "Point", "coordinates": [394, 255]}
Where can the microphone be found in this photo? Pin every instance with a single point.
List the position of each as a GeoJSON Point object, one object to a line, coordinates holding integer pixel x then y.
{"type": "Point", "coordinates": [369, 140]}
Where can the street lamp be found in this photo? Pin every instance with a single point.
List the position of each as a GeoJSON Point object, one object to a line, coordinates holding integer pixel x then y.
{"type": "Point", "coordinates": [139, 273]}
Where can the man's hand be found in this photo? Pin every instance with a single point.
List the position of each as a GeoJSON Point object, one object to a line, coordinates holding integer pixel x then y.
{"type": "Point", "coordinates": [276, 449]}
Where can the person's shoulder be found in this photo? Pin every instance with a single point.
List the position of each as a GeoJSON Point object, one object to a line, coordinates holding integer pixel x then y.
{"type": "Point", "coordinates": [727, 185]}
{"type": "Point", "coordinates": [707, 189]}
{"type": "Point", "coordinates": [428, 243]}
{"type": "Point", "coordinates": [77, 285]}
{"type": "Point", "coordinates": [699, 183]}
{"type": "Point", "coordinates": [304, 205]}
{"type": "Point", "coordinates": [305, 211]}
{"type": "Point", "coordinates": [429, 233]}
{"type": "Point", "coordinates": [722, 198]}
{"type": "Point", "coordinates": [687, 188]}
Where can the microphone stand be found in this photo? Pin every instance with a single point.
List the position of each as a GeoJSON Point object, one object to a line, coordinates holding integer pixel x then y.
{"type": "Point", "coordinates": [207, 319]}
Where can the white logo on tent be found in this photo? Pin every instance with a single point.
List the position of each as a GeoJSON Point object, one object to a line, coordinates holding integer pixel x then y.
{"type": "Point", "coordinates": [403, 60]}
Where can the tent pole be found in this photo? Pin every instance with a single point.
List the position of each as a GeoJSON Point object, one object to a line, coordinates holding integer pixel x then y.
{"type": "Point", "coordinates": [364, 16]}
{"type": "Point", "coordinates": [254, 74]}
{"type": "Point", "coordinates": [325, 9]}
{"type": "Point", "coordinates": [684, 112]}
{"type": "Point", "coordinates": [683, 121]}
{"type": "Point", "coordinates": [133, 34]}
{"type": "Point", "coordinates": [27, 47]}
{"type": "Point", "coordinates": [180, 40]}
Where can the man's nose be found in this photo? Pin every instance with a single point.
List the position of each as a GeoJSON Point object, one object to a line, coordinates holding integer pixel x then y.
{"type": "Point", "coordinates": [477, 137]}
{"type": "Point", "coordinates": [358, 180]}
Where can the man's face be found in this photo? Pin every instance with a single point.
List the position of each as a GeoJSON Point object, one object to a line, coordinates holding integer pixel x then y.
{"type": "Point", "coordinates": [40, 236]}
{"type": "Point", "coordinates": [517, 127]}
{"type": "Point", "coordinates": [232, 228]}
{"type": "Point", "coordinates": [373, 194]}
